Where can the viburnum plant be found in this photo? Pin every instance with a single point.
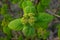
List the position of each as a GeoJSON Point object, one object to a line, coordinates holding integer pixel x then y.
{"type": "Point", "coordinates": [34, 22]}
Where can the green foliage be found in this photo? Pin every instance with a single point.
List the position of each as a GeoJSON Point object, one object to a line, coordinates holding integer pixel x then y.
{"type": "Point", "coordinates": [15, 25]}
{"type": "Point", "coordinates": [58, 27]}
{"type": "Point", "coordinates": [29, 9]}
{"type": "Point", "coordinates": [34, 22]}
{"type": "Point", "coordinates": [4, 23]}
{"type": "Point", "coordinates": [45, 2]}
{"type": "Point", "coordinates": [20, 3]}
{"type": "Point", "coordinates": [40, 8]}
{"type": "Point", "coordinates": [28, 19]}
{"type": "Point", "coordinates": [14, 1]}
{"type": "Point", "coordinates": [4, 9]}
{"type": "Point", "coordinates": [27, 3]}
{"type": "Point", "coordinates": [3, 38]}
{"type": "Point", "coordinates": [7, 31]}
{"type": "Point", "coordinates": [42, 33]}
{"type": "Point", "coordinates": [59, 33]}
{"type": "Point", "coordinates": [28, 31]}
{"type": "Point", "coordinates": [20, 37]}
{"type": "Point", "coordinates": [44, 19]}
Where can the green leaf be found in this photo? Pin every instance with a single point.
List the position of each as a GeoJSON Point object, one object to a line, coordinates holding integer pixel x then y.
{"type": "Point", "coordinates": [3, 38]}
{"type": "Point", "coordinates": [32, 20]}
{"type": "Point", "coordinates": [6, 30]}
{"type": "Point", "coordinates": [44, 19]}
{"type": "Point", "coordinates": [40, 8]}
{"type": "Point", "coordinates": [20, 37]}
{"type": "Point", "coordinates": [59, 33]}
{"type": "Point", "coordinates": [58, 26]}
{"type": "Point", "coordinates": [42, 33]}
{"type": "Point", "coordinates": [15, 25]}
{"type": "Point", "coordinates": [27, 3]}
{"type": "Point", "coordinates": [4, 23]}
{"type": "Point", "coordinates": [20, 3]}
{"type": "Point", "coordinates": [28, 31]}
{"type": "Point", "coordinates": [45, 2]}
{"type": "Point", "coordinates": [4, 9]}
{"type": "Point", "coordinates": [29, 9]}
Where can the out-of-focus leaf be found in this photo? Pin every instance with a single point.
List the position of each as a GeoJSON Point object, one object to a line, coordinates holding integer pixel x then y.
{"type": "Point", "coordinates": [4, 9]}
{"type": "Point", "coordinates": [15, 25]}
{"type": "Point", "coordinates": [7, 31]}
{"type": "Point", "coordinates": [29, 9]}
{"type": "Point", "coordinates": [40, 8]}
{"type": "Point", "coordinates": [44, 19]}
{"type": "Point", "coordinates": [28, 32]}
{"type": "Point", "coordinates": [27, 3]}
{"type": "Point", "coordinates": [20, 37]}
{"type": "Point", "coordinates": [42, 33]}
{"type": "Point", "coordinates": [45, 2]}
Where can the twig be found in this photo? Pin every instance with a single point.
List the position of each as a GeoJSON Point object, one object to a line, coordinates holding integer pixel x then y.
{"type": "Point", "coordinates": [52, 13]}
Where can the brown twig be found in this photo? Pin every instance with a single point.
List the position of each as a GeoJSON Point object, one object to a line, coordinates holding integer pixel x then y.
{"type": "Point", "coordinates": [52, 13]}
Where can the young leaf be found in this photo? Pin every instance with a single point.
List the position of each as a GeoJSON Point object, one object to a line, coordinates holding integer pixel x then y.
{"type": "Point", "coordinates": [29, 9]}
{"type": "Point", "coordinates": [28, 31]}
{"type": "Point", "coordinates": [45, 2]}
{"type": "Point", "coordinates": [7, 31]}
{"type": "Point", "coordinates": [42, 33]}
{"type": "Point", "coordinates": [27, 3]}
{"type": "Point", "coordinates": [44, 19]}
{"type": "Point", "coordinates": [15, 25]}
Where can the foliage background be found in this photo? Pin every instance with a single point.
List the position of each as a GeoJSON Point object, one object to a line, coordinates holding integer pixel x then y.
{"type": "Point", "coordinates": [14, 9]}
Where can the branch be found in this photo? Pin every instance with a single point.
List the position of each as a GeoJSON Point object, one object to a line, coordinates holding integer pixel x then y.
{"type": "Point", "coordinates": [52, 13]}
